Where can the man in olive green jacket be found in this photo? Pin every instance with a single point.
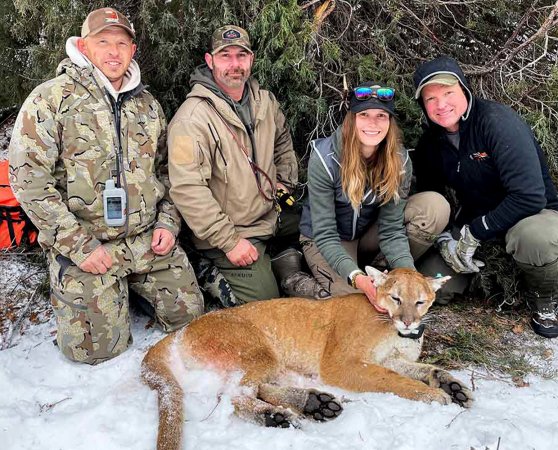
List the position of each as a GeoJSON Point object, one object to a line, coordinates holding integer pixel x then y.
{"type": "Point", "coordinates": [87, 163]}
{"type": "Point", "coordinates": [229, 152]}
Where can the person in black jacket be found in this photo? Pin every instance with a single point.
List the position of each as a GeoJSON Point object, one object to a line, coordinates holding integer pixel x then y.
{"type": "Point", "coordinates": [488, 155]}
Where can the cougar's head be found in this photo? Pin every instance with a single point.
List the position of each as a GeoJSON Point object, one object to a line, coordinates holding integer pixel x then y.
{"type": "Point", "coordinates": [406, 295]}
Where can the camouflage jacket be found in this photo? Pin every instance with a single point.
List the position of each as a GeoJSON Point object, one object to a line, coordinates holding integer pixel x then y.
{"type": "Point", "coordinates": [63, 149]}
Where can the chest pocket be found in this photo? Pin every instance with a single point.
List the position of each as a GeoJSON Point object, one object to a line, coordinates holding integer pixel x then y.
{"type": "Point", "coordinates": [88, 153]}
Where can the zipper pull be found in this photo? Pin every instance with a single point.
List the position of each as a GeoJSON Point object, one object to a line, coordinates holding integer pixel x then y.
{"type": "Point", "coordinates": [458, 166]}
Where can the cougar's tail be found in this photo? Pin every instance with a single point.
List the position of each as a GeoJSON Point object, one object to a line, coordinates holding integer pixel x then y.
{"type": "Point", "coordinates": [156, 372]}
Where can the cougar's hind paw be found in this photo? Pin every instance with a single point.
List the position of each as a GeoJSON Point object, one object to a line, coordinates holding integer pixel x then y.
{"type": "Point", "coordinates": [278, 420]}
{"type": "Point", "coordinates": [322, 406]}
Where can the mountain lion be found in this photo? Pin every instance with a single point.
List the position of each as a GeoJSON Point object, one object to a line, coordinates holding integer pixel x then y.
{"type": "Point", "coordinates": [343, 340]}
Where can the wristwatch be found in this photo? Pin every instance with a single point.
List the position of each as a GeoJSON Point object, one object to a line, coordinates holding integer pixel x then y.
{"type": "Point", "coordinates": [351, 279]}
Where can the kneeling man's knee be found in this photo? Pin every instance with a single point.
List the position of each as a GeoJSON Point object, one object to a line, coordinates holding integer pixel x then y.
{"type": "Point", "coordinates": [428, 212]}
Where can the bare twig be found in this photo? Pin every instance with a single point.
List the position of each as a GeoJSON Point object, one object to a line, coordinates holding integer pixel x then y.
{"type": "Point", "coordinates": [456, 416]}
{"type": "Point", "coordinates": [7, 342]}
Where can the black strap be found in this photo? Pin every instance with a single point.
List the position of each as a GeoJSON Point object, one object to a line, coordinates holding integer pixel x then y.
{"type": "Point", "coordinates": [415, 334]}
{"type": "Point", "coordinates": [6, 215]}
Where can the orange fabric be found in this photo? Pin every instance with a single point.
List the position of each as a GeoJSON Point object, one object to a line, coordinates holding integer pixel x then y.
{"type": "Point", "coordinates": [14, 224]}
{"type": "Point", "coordinates": [6, 195]}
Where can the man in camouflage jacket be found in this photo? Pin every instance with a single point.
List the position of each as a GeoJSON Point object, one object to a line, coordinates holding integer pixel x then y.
{"type": "Point", "coordinates": [96, 122]}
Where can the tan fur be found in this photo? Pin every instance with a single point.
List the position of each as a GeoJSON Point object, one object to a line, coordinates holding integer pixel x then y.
{"type": "Point", "coordinates": [344, 341]}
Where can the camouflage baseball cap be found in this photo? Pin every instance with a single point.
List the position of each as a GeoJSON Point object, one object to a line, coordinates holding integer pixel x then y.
{"type": "Point", "coordinates": [103, 18]}
{"type": "Point", "coordinates": [230, 35]}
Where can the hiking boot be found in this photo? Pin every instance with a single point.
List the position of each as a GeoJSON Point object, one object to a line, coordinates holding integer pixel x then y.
{"type": "Point", "coordinates": [545, 323]}
{"type": "Point", "coordinates": [541, 294]}
{"type": "Point", "coordinates": [300, 284]}
{"type": "Point", "coordinates": [294, 282]}
{"type": "Point", "coordinates": [212, 282]}
{"type": "Point", "coordinates": [443, 298]}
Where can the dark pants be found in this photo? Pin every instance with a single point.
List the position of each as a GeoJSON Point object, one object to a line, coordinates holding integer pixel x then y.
{"type": "Point", "coordinates": [256, 281]}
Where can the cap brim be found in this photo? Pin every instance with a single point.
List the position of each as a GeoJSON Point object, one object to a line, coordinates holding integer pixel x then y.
{"type": "Point", "coordinates": [124, 27]}
{"type": "Point", "coordinates": [429, 81]}
{"type": "Point", "coordinates": [363, 106]}
{"type": "Point", "coordinates": [221, 47]}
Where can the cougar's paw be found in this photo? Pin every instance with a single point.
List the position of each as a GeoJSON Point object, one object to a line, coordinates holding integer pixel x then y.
{"type": "Point", "coordinates": [322, 406]}
{"type": "Point", "coordinates": [434, 395]}
{"type": "Point", "coordinates": [280, 419]}
{"type": "Point", "coordinates": [458, 392]}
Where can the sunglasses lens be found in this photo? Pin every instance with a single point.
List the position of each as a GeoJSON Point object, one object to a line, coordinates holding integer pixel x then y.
{"type": "Point", "coordinates": [385, 93]}
{"type": "Point", "coordinates": [381, 93]}
{"type": "Point", "coordinates": [363, 93]}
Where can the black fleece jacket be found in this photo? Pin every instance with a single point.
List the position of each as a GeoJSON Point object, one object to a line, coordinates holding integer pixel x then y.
{"type": "Point", "coordinates": [499, 172]}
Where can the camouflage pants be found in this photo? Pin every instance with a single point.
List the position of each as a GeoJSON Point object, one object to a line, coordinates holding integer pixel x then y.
{"type": "Point", "coordinates": [92, 311]}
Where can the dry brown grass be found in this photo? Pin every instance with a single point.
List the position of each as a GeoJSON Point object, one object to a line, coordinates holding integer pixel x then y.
{"type": "Point", "coordinates": [471, 333]}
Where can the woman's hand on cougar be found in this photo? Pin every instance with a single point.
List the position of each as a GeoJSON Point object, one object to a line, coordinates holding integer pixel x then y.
{"type": "Point", "coordinates": [366, 285]}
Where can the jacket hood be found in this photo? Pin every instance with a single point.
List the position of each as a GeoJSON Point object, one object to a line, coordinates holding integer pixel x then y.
{"type": "Point", "coordinates": [443, 65]}
{"type": "Point", "coordinates": [78, 66]}
{"type": "Point", "coordinates": [202, 75]}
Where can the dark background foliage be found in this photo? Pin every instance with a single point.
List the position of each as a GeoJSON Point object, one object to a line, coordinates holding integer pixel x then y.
{"type": "Point", "coordinates": [305, 50]}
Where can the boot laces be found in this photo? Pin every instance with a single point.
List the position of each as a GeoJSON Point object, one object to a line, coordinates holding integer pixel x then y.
{"type": "Point", "coordinates": [547, 315]}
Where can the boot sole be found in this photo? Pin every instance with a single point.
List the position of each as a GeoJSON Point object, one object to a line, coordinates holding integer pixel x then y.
{"type": "Point", "coordinates": [544, 332]}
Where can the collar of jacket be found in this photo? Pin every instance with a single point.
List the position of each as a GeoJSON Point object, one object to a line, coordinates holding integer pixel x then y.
{"type": "Point", "coordinates": [87, 76]}
{"type": "Point", "coordinates": [258, 101]}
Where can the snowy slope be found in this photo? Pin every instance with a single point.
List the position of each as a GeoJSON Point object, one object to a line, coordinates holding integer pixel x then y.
{"type": "Point", "coordinates": [49, 403]}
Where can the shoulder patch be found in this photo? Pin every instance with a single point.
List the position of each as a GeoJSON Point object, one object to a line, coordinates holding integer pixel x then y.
{"type": "Point", "coordinates": [181, 150]}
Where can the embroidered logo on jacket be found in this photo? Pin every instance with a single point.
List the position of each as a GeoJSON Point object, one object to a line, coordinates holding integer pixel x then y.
{"type": "Point", "coordinates": [479, 156]}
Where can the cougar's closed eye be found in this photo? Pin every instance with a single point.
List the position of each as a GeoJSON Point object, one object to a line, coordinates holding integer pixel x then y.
{"type": "Point", "coordinates": [396, 299]}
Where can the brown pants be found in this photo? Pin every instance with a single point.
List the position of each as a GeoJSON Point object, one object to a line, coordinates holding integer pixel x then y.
{"type": "Point", "coordinates": [534, 240]}
{"type": "Point", "coordinates": [426, 215]}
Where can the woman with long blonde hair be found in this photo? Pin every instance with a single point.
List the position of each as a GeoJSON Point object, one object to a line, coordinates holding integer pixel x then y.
{"type": "Point", "coordinates": [358, 205]}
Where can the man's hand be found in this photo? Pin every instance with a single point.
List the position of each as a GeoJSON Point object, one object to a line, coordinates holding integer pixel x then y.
{"type": "Point", "coordinates": [243, 254]}
{"type": "Point", "coordinates": [366, 285]}
{"type": "Point", "coordinates": [98, 262]}
{"type": "Point", "coordinates": [162, 241]}
{"type": "Point", "coordinates": [459, 254]}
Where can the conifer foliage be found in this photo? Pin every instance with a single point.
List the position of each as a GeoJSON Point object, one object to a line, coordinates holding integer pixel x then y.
{"type": "Point", "coordinates": [305, 50]}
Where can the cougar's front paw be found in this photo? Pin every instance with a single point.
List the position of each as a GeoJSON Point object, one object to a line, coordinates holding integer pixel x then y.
{"type": "Point", "coordinates": [458, 392]}
{"type": "Point", "coordinates": [322, 406]}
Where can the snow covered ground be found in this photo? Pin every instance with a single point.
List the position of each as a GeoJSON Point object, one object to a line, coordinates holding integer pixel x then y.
{"type": "Point", "coordinates": [49, 403]}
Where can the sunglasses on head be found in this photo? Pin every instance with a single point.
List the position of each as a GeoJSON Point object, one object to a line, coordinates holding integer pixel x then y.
{"type": "Point", "coordinates": [384, 94]}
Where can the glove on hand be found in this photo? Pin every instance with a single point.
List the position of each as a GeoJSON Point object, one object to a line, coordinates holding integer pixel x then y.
{"type": "Point", "coordinates": [459, 254]}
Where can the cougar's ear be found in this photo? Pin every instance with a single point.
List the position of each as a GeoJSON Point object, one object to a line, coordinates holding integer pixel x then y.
{"type": "Point", "coordinates": [437, 283]}
{"type": "Point", "coordinates": [378, 277]}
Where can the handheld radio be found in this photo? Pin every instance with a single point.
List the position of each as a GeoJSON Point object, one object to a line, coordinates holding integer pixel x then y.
{"type": "Point", "coordinates": [114, 205]}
